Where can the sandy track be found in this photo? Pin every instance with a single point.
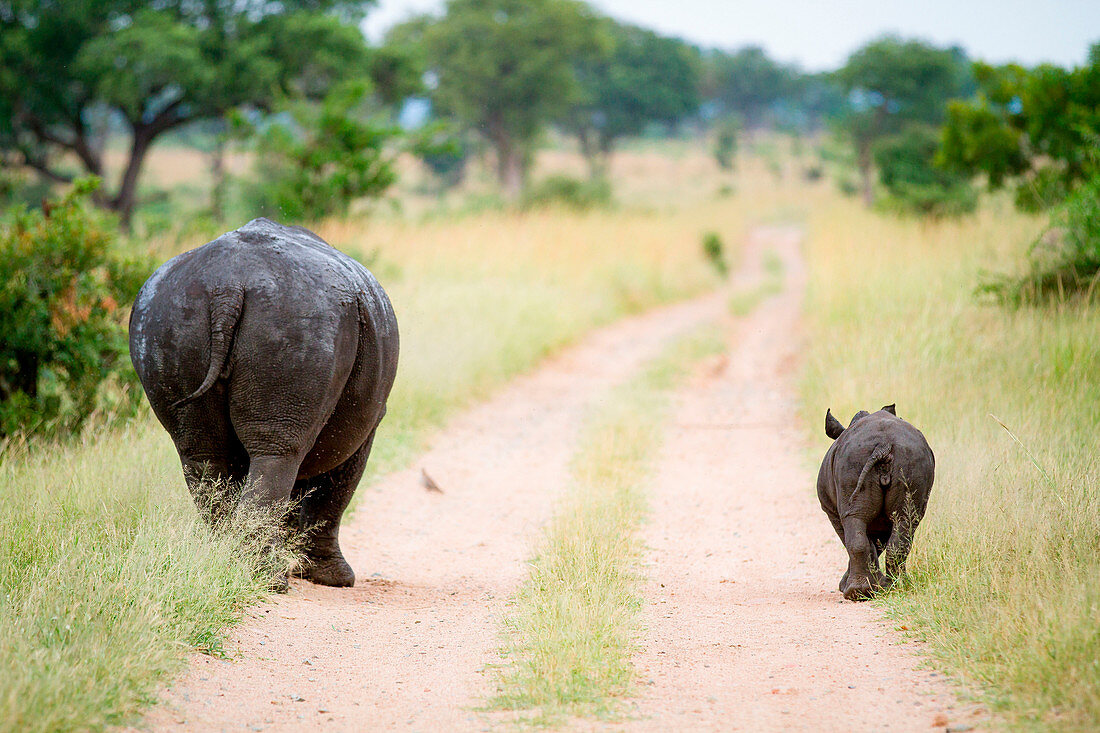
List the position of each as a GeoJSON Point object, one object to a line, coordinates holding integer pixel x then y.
{"type": "Point", "coordinates": [746, 629]}
{"type": "Point", "coordinates": [406, 647]}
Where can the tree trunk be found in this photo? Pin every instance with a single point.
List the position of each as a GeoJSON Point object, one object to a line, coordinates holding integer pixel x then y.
{"type": "Point", "coordinates": [607, 145]}
{"type": "Point", "coordinates": [509, 169]}
{"type": "Point", "coordinates": [865, 171]}
{"type": "Point", "coordinates": [591, 152]}
{"type": "Point", "coordinates": [217, 172]}
{"type": "Point", "coordinates": [126, 197]}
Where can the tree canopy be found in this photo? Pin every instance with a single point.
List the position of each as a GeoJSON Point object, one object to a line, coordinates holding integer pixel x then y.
{"type": "Point", "coordinates": [1038, 127]}
{"type": "Point", "coordinates": [505, 67]}
{"type": "Point", "coordinates": [892, 84]}
{"type": "Point", "coordinates": [66, 68]}
{"type": "Point", "coordinates": [747, 83]}
{"type": "Point", "coordinates": [635, 78]}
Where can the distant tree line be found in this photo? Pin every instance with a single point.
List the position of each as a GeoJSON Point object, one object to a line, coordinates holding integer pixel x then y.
{"type": "Point", "coordinates": [297, 79]}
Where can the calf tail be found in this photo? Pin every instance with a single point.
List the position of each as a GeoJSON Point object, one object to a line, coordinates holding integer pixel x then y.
{"type": "Point", "coordinates": [882, 452]}
{"type": "Point", "coordinates": [226, 304]}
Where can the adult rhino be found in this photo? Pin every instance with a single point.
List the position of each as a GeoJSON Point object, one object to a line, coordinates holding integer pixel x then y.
{"type": "Point", "coordinates": [268, 357]}
{"type": "Point", "coordinates": [874, 485]}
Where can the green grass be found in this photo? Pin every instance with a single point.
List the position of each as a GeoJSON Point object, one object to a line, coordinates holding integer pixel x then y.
{"type": "Point", "coordinates": [105, 576]}
{"type": "Point", "coordinates": [571, 629]}
{"type": "Point", "coordinates": [107, 579]}
{"type": "Point", "coordinates": [1005, 576]}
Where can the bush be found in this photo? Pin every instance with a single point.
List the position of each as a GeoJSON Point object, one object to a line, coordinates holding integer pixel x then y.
{"type": "Point", "coordinates": [725, 142]}
{"type": "Point", "coordinates": [63, 291]}
{"type": "Point", "coordinates": [847, 185]}
{"type": "Point", "coordinates": [16, 187]}
{"type": "Point", "coordinates": [1041, 191]}
{"type": "Point", "coordinates": [322, 162]}
{"type": "Point", "coordinates": [443, 150]}
{"type": "Point", "coordinates": [714, 252]}
{"type": "Point", "coordinates": [915, 185]}
{"type": "Point", "coordinates": [570, 192]}
{"type": "Point", "coordinates": [1065, 260]}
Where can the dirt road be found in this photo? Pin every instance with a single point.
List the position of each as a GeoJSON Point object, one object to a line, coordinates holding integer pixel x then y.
{"type": "Point", "coordinates": [744, 627]}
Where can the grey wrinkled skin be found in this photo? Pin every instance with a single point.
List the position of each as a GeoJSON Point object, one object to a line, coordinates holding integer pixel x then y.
{"type": "Point", "coordinates": [874, 485]}
{"type": "Point", "coordinates": [268, 357]}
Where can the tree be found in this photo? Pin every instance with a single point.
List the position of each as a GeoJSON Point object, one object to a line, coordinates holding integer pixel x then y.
{"type": "Point", "coordinates": [1037, 128]}
{"type": "Point", "coordinates": [635, 79]}
{"type": "Point", "coordinates": [892, 83]}
{"type": "Point", "coordinates": [326, 160]}
{"type": "Point", "coordinates": [504, 68]}
{"type": "Point", "coordinates": [747, 83]}
{"type": "Point", "coordinates": [67, 66]}
{"type": "Point", "coordinates": [443, 149]}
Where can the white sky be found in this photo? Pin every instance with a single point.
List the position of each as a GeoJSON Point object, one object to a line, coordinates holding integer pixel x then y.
{"type": "Point", "coordinates": [819, 34]}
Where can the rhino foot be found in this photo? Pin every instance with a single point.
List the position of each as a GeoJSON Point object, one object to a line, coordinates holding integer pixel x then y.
{"type": "Point", "coordinates": [864, 588]}
{"type": "Point", "coordinates": [334, 572]}
{"type": "Point", "coordinates": [280, 583]}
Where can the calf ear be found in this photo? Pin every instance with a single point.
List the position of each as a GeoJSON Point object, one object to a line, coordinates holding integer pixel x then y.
{"type": "Point", "coordinates": [890, 409]}
{"type": "Point", "coordinates": [833, 428]}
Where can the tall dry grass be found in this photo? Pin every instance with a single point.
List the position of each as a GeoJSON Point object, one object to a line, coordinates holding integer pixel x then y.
{"type": "Point", "coordinates": [1005, 575]}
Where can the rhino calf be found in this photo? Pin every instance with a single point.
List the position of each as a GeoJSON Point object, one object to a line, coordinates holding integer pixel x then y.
{"type": "Point", "coordinates": [874, 485]}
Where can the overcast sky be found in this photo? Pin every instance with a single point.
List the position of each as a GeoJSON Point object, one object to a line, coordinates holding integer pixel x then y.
{"type": "Point", "coordinates": [819, 34]}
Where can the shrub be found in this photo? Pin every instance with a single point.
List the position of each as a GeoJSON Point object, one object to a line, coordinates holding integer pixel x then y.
{"type": "Point", "coordinates": [714, 252]}
{"type": "Point", "coordinates": [16, 187]}
{"type": "Point", "coordinates": [320, 160]}
{"type": "Point", "coordinates": [1065, 260]}
{"type": "Point", "coordinates": [915, 185]}
{"type": "Point", "coordinates": [443, 150]}
{"type": "Point", "coordinates": [63, 291]}
{"type": "Point", "coordinates": [570, 192]}
{"type": "Point", "coordinates": [725, 143]}
{"type": "Point", "coordinates": [847, 185]}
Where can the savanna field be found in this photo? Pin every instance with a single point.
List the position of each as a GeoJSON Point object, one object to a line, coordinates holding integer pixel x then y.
{"type": "Point", "coordinates": [108, 580]}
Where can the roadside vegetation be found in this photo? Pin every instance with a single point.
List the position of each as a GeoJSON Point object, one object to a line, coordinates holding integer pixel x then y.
{"type": "Point", "coordinates": [572, 628]}
{"type": "Point", "coordinates": [1005, 576]}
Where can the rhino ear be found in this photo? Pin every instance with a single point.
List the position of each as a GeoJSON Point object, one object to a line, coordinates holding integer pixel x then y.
{"type": "Point", "coordinates": [833, 428]}
{"type": "Point", "coordinates": [890, 409]}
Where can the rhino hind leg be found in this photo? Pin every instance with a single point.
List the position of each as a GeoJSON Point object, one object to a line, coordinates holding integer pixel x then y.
{"type": "Point", "coordinates": [215, 486]}
{"type": "Point", "coordinates": [324, 499]}
{"type": "Point", "coordinates": [214, 461]}
{"type": "Point", "coordinates": [897, 549]}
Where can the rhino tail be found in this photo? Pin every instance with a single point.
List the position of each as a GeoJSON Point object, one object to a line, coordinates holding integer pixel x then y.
{"type": "Point", "coordinates": [882, 453]}
{"type": "Point", "coordinates": [226, 304]}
